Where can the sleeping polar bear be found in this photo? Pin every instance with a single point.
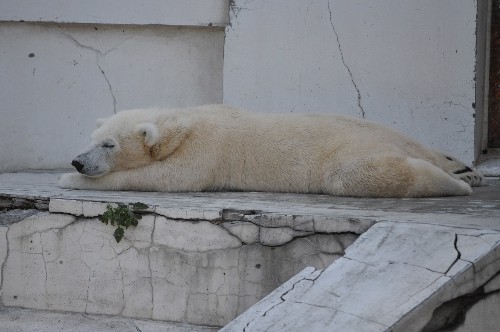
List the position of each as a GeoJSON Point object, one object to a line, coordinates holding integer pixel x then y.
{"type": "Point", "coordinates": [218, 147]}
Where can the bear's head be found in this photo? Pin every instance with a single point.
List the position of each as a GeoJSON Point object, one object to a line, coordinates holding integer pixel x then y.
{"type": "Point", "coordinates": [124, 141]}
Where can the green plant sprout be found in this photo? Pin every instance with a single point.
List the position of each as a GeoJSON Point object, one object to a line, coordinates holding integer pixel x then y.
{"type": "Point", "coordinates": [122, 216]}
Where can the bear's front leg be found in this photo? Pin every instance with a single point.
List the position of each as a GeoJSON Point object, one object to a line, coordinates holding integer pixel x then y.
{"type": "Point", "coordinates": [77, 181]}
{"type": "Point", "coordinates": [154, 177]}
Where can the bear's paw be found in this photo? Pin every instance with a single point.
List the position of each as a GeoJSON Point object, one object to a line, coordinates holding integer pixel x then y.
{"type": "Point", "coordinates": [71, 181]}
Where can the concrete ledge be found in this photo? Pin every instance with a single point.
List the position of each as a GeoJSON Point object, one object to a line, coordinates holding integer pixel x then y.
{"type": "Point", "coordinates": [164, 12]}
{"type": "Point", "coordinates": [204, 258]}
{"type": "Point", "coordinates": [194, 258]}
{"type": "Point", "coordinates": [489, 164]}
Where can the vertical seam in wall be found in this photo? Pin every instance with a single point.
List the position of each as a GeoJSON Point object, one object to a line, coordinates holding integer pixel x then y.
{"type": "Point", "coordinates": [484, 136]}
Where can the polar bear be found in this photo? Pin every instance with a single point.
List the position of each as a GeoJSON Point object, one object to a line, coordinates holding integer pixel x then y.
{"type": "Point", "coordinates": [217, 147]}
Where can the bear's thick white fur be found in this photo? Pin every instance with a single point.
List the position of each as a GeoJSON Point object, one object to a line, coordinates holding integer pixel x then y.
{"type": "Point", "coordinates": [218, 147]}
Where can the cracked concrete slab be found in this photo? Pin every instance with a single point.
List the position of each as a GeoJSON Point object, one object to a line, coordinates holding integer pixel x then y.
{"type": "Point", "coordinates": [279, 236]}
{"type": "Point", "coordinates": [268, 303]}
{"type": "Point", "coordinates": [397, 244]}
{"type": "Point", "coordinates": [247, 232]}
{"type": "Point", "coordinates": [391, 278]}
{"type": "Point", "coordinates": [199, 236]}
{"type": "Point", "coordinates": [155, 282]}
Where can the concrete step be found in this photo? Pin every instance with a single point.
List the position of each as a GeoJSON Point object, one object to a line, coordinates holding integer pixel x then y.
{"type": "Point", "coordinates": [198, 258]}
{"type": "Point", "coordinates": [205, 258]}
{"type": "Point", "coordinates": [29, 320]}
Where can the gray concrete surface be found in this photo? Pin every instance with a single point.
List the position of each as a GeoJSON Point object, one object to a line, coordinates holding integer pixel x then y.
{"type": "Point", "coordinates": [413, 226]}
{"type": "Point", "coordinates": [397, 277]}
{"type": "Point", "coordinates": [28, 320]}
{"type": "Point", "coordinates": [482, 207]}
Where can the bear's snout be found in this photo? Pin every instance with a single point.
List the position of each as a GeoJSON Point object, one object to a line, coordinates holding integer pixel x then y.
{"type": "Point", "coordinates": [78, 165]}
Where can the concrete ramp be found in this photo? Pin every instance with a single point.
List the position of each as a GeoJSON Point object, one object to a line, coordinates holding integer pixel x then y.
{"type": "Point", "coordinates": [395, 277]}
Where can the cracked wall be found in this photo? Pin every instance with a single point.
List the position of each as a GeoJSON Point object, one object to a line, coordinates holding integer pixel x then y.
{"type": "Point", "coordinates": [197, 271]}
{"type": "Point", "coordinates": [65, 76]}
{"type": "Point", "coordinates": [409, 65]}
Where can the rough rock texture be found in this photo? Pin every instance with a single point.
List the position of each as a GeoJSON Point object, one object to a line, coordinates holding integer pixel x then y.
{"type": "Point", "coordinates": [165, 269]}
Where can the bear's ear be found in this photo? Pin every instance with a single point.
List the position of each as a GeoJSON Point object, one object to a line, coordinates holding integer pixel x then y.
{"type": "Point", "coordinates": [150, 133]}
{"type": "Point", "coordinates": [99, 122]}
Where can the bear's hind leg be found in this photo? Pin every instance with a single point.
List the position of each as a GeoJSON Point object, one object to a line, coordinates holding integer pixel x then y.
{"type": "Point", "coordinates": [431, 180]}
{"type": "Point", "coordinates": [393, 176]}
{"type": "Point", "coordinates": [459, 170]}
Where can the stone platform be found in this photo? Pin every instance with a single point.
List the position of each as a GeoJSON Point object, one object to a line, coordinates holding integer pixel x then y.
{"type": "Point", "coordinates": [205, 258]}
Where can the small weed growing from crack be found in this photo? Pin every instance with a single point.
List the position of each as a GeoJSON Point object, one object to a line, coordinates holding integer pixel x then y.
{"type": "Point", "coordinates": [122, 216]}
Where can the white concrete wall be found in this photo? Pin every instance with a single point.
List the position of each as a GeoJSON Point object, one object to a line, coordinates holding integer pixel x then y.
{"type": "Point", "coordinates": [407, 63]}
{"type": "Point", "coordinates": [164, 12]}
{"type": "Point", "coordinates": [55, 81]}
{"type": "Point", "coordinates": [69, 62]}
{"type": "Point", "coordinates": [180, 270]}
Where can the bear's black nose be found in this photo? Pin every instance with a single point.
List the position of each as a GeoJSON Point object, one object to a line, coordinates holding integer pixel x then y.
{"type": "Point", "coordinates": [77, 165]}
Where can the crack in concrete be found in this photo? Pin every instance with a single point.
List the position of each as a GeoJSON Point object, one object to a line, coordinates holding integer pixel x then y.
{"type": "Point", "coordinates": [2, 270]}
{"type": "Point", "coordinates": [234, 11]}
{"type": "Point", "coordinates": [44, 266]}
{"type": "Point", "coordinates": [342, 311]}
{"type": "Point", "coordinates": [480, 236]}
{"type": "Point", "coordinates": [122, 288]}
{"type": "Point", "coordinates": [240, 273]}
{"type": "Point", "coordinates": [99, 54]}
{"type": "Point", "coordinates": [316, 274]}
{"type": "Point", "coordinates": [457, 258]}
{"type": "Point", "coordinates": [363, 318]}
{"type": "Point", "coordinates": [295, 236]}
{"type": "Point", "coordinates": [358, 261]}
{"type": "Point", "coordinates": [232, 215]}
{"type": "Point", "coordinates": [87, 293]}
{"type": "Point", "coordinates": [109, 85]}
{"type": "Point", "coordinates": [135, 325]}
{"type": "Point", "coordinates": [281, 298]}
{"type": "Point", "coordinates": [88, 268]}
{"type": "Point", "coordinates": [459, 254]}
{"type": "Point", "coordinates": [423, 267]}
{"type": "Point", "coordinates": [149, 267]}
{"type": "Point", "coordinates": [362, 111]}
